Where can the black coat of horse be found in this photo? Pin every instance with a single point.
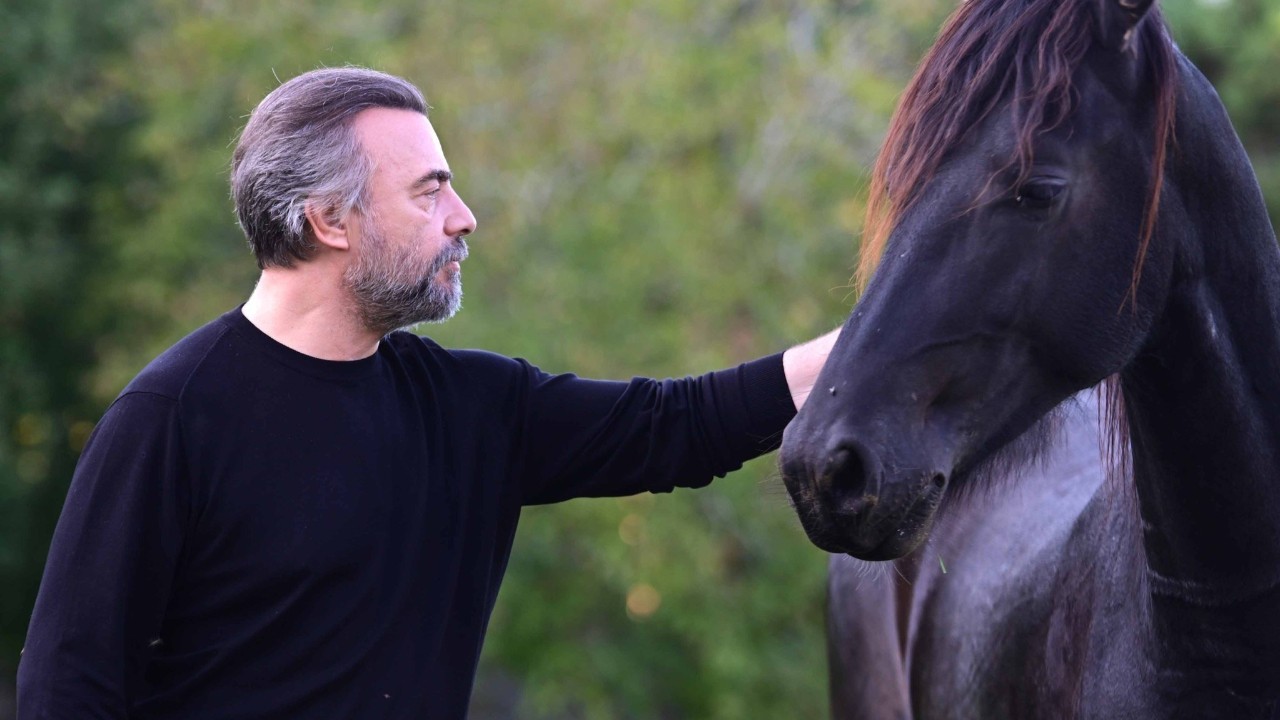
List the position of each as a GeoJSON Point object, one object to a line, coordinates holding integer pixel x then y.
{"type": "Point", "coordinates": [1061, 200]}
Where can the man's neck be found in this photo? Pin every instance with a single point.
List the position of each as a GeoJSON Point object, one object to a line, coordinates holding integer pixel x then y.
{"type": "Point", "coordinates": [307, 309]}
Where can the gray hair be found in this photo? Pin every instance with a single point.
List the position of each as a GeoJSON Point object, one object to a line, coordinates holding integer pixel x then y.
{"type": "Point", "coordinates": [299, 148]}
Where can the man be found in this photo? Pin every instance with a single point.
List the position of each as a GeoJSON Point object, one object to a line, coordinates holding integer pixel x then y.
{"type": "Point", "coordinates": [299, 512]}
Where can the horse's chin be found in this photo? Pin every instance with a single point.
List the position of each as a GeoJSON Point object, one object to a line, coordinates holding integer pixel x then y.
{"type": "Point", "coordinates": [891, 549]}
{"type": "Point", "coordinates": [870, 539]}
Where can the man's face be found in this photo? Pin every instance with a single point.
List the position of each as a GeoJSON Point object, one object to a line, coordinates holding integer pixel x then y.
{"type": "Point", "coordinates": [408, 248]}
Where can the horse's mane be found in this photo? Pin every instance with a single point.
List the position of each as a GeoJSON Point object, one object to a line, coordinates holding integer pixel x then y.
{"type": "Point", "coordinates": [1023, 52]}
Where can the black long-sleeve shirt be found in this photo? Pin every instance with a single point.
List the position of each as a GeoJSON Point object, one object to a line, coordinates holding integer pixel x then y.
{"type": "Point", "coordinates": [255, 533]}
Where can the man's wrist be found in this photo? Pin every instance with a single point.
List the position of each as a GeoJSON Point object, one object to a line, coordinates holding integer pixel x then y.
{"type": "Point", "coordinates": [802, 363]}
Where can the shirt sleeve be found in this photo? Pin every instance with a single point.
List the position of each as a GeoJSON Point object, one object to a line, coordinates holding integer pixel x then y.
{"type": "Point", "coordinates": [110, 566]}
{"type": "Point", "coordinates": [592, 438]}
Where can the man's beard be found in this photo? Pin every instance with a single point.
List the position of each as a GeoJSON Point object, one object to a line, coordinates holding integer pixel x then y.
{"type": "Point", "coordinates": [396, 288]}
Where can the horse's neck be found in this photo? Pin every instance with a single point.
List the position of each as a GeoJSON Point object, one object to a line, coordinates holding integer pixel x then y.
{"type": "Point", "coordinates": [1204, 413]}
{"type": "Point", "coordinates": [1204, 396]}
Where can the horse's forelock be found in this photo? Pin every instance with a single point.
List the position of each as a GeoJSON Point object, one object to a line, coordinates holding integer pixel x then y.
{"type": "Point", "coordinates": [988, 52]}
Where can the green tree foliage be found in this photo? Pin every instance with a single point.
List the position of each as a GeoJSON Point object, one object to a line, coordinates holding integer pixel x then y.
{"type": "Point", "coordinates": [662, 187]}
{"type": "Point", "coordinates": [66, 175]}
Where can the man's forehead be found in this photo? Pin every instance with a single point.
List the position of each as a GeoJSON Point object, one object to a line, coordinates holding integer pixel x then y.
{"type": "Point", "coordinates": [399, 140]}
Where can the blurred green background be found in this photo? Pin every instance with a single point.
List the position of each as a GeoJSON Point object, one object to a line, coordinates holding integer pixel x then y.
{"type": "Point", "coordinates": [662, 188]}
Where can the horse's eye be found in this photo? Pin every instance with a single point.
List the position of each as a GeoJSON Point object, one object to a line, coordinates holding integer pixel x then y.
{"type": "Point", "coordinates": [1039, 194]}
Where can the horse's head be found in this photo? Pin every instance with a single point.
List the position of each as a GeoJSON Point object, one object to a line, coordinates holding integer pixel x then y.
{"type": "Point", "coordinates": [1011, 213]}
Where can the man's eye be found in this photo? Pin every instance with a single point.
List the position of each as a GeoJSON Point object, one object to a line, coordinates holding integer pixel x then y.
{"type": "Point", "coordinates": [1038, 195]}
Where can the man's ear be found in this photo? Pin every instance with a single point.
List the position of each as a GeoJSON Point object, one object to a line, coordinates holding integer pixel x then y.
{"type": "Point", "coordinates": [1118, 18]}
{"type": "Point", "coordinates": [326, 229]}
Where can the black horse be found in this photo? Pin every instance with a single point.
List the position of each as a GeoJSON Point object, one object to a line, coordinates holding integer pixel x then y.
{"type": "Point", "coordinates": [1061, 199]}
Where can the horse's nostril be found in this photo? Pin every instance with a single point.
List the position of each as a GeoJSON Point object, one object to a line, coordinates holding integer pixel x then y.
{"type": "Point", "coordinates": [939, 480]}
{"type": "Point", "coordinates": [847, 481]}
{"type": "Point", "coordinates": [845, 468]}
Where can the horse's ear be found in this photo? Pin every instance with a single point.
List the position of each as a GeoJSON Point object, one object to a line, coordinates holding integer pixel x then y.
{"type": "Point", "coordinates": [1118, 18]}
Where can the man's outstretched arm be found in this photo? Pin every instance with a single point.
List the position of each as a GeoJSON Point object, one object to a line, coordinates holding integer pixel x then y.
{"type": "Point", "coordinates": [588, 438]}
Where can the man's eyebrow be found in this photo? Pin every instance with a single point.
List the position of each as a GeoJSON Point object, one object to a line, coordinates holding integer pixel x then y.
{"type": "Point", "coordinates": [441, 176]}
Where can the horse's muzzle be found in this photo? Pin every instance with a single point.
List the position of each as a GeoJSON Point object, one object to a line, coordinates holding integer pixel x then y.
{"type": "Point", "coordinates": [850, 501]}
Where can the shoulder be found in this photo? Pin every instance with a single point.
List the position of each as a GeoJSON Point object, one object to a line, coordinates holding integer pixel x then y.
{"type": "Point", "coordinates": [171, 371]}
{"type": "Point", "coordinates": [481, 379]}
{"type": "Point", "coordinates": [480, 365]}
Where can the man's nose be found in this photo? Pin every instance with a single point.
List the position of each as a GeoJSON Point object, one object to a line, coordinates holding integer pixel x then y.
{"type": "Point", "coordinates": [460, 220]}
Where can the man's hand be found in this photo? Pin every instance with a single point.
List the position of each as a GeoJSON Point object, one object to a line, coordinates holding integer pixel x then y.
{"type": "Point", "coordinates": [802, 363]}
